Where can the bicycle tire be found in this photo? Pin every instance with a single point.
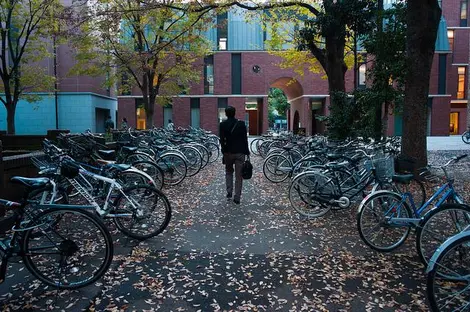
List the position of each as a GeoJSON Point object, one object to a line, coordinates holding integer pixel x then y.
{"type": "Point", "coordinates": [436, 227]}
{"type": "Point", "coordinates": [143, 194]}
{"type": "Point", "coordinates": [310, 193]}
{"type": "Point", "coordinates": [449, 269]}
{"type": "Point", "coordinates": [466, 137]}
{"type": "Point", "coordinates": [85, 225]}
{"type": "Point", "coordinates": [378, 203]}
{"type": "Point", "coordinates": [152, 169]}
{"type": "Point", "coordinates": [174, 168]}
{"type": "Point", "coordinates": [271, 167]}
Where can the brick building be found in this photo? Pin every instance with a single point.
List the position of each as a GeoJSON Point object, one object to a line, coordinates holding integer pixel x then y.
{"type": "Point", "coordinates": [240, 73]}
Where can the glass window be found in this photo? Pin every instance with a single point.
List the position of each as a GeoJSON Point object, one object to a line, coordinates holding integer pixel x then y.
{"type": "Point", "coordinates": [222, 104]}
{"type": "Point", "coordinates": [167, 114]}
{"type": "Point", "coordinates": [141, 118]}
{"type": "Point", "coordinates": [461, 83]}
{"type": "Point", "coordinates": [450, 35]}
{"type": "Point", "coordinates": [463, 13]}
{"type": "Point", "coordinates": [223, 44]}
{"type": "Point", "coordinates": [195, 113]}
{"type": "Point", "coordinates": [362, 74]}
{"type": "Point", "coordinates": [209, 75]}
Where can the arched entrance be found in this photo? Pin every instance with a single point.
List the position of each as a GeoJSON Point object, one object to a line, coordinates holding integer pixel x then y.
{"type": "Point", "coordinates": [294, 93]}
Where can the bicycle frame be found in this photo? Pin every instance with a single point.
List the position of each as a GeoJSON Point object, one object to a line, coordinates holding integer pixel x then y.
{"type": "Point", "coordinates": [446, 191]}
{"type": "Point", "coordinates": [114, 185]}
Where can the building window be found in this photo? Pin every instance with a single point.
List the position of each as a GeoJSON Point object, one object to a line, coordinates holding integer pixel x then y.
{"type": "Point", "coordinates": [209, 74]}
{"type": "Point", "coordinates": [463, 13]}
{"type": "Point", "coordinates": [454, 123]}
{"type": "Point", "coordinates": [362, 75]}
{"type": "Point", "coordinates": [442, 74]}
{"type": "Point", "coordinates": [222, 104]}
{"type": "Point", "coordinates": [141, 118]}
{"type": "Point", "coordinates": [236, 73]}
{"type": "Point", "coordinates": [450, 35]}
{"type": "Point", "coordinates": [461, 83]}
{"type": "Point", "coordinates": [195, 113]}
{"type": "Point", "coordinates": [222, 31]}
{"type": "Point", "coordinates": [167, 114]}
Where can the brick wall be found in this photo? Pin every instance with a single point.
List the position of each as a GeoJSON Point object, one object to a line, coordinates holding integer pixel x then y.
{"type": "Point", "coordinates": [440, 116]}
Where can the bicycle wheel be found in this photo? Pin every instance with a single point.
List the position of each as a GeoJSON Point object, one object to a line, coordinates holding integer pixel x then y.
{"type": "Point", "coordinates": [276, 168]}
{"type": "Point", "coordinates": [137, 156]}
{"type": "Point", "coordinates": [373, 220]}
{"type": "Point", "coordinates": [152, 169]}
{"type": "Point", "coordinates": [466, 137]}
{"type": "Point", "coordinates": [204, 152]}
{"type": "Point", "coordinates": [67, 248]}
{"type": "Point", "coordinates": [448, 273]}
{"type": "Point", "coordinates": [310, 193]}
{"type": "Point", "coordinates": [254, 146]}
{"type": "Point", "coordinates": [214, 151]}
{"type": "Point", "coordinates": [174, 168]}
{"type": "Point", "coordinates": [193, 157]}
{"type": "Point", "coordinates": [141, 212]}
{"type": "Point", "coordinates": [438, 225]}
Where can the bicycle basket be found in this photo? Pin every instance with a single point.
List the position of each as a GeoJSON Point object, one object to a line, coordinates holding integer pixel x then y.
{"type": "Point", "coordinates": [69, 169]}
{"type": "Point", "coordinates": [384, 167]}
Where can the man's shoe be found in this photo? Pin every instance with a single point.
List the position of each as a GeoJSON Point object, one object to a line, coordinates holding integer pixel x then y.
{"type": "Point", "coordinates": [236, 201]}
{"type": "Point", "coordinates": [229, 195]}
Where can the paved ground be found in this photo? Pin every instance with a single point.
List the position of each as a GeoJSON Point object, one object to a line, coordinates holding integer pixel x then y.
{"type": "Point", "coordinates": [257, 256]}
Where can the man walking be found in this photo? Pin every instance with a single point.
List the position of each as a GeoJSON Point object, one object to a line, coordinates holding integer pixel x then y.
{"type": "Point", "coordinates": [234, 142]}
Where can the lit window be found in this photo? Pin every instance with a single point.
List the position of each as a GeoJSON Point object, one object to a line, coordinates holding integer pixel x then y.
{"type": "Point", "coordinates": [454, 123]}
{"type": "Point", "coordinates": [141, 118]}
{"type": "Point", "coordinates": [461, 83]}
{"type": "Point", "coordinates": [223, 44]}
{"type": "Point", "coordinates": [450, 35]}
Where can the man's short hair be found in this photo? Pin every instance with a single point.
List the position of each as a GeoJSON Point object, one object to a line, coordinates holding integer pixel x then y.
{"type": "Point", "coordinates": [230, 111]}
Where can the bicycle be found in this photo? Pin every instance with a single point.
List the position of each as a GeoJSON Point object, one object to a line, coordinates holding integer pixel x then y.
{"type": "Point", "coordinates": [391, 213]}
{"type": "Point", "coordinates": [448, 275]}
{"type": "Point", "coordinates": [466, 137]}
{"type": "Point", "coordinates": [64, 246]}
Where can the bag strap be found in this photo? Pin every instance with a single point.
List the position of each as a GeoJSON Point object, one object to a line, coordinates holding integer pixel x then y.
{"type": "Point", "coordinates": [234, 126]}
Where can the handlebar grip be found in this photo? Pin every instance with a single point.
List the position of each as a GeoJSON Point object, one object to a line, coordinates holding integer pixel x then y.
{"type": "Point", "coordinates": [461, 157]}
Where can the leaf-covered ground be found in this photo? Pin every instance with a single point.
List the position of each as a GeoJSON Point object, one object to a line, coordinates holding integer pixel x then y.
{"type": "Point", "coordinates": [256, 256]}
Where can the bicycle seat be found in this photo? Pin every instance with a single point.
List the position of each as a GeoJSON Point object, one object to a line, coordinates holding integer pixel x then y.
{"type": "Point", "coordinates": [334, 156]}
{"type": "Point", "coordinates": [129, 149]}
{"type": "Point", "coordinates": [107, 154]}
{"type": "Point", "coordinates": [402, 178]}
{"type": "Point", "coordinates": [118, 167]}
{"type": "Point", "coordinates": [32, 183]}
{"type": "Point", "coordinates": [288, 147]}
{"type": "Point", "coordinates": [301, 143]}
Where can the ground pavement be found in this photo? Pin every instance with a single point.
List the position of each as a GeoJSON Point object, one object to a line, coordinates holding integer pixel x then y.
{"type": "Point", "coordinates": [256, 256]}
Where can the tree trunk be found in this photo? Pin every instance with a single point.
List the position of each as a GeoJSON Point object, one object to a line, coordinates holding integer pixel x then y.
{"type": "Point", "coordinates": [149, 111]}
{"type": "Point", "coordinates": [422, 18]}
{"type": "Point", "coordinates": [11, 109]}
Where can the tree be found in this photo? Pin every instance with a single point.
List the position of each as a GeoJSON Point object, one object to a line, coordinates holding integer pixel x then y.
{"type": "Point", "coordinates": [154, 50]}
{"type": "Point", "coordinates": [24, 27]}
{"type": "Point", "coordinates": [422, 20]}
{"type": "Point", "coordinates": [386, 46]}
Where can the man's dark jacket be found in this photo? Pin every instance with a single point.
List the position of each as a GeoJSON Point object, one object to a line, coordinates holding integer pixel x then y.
{"type": "Point", "coordinates": [235, 142]}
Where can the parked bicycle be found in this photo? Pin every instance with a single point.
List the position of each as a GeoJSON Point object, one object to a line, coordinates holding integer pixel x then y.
{"type": "Point", "coordinates": [64, 246]}
{"type": "Point", "coordinates": [385, 219]}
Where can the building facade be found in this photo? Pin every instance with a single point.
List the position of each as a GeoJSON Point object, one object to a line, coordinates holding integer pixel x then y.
{"type": "Point", "coordinates": [240, 73]}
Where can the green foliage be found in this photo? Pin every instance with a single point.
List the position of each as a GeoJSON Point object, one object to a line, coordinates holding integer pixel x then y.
{"type": "Point", "coordinates": [342, 116]}
{"type": "Point", "coordinates": [154, 50]}
{"type": "Point", "coordinates": [26, 27]}
{"type": "Point", "coordinates": [387, 72]}
{"type": "Point", "coordinates": [277, 102]}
